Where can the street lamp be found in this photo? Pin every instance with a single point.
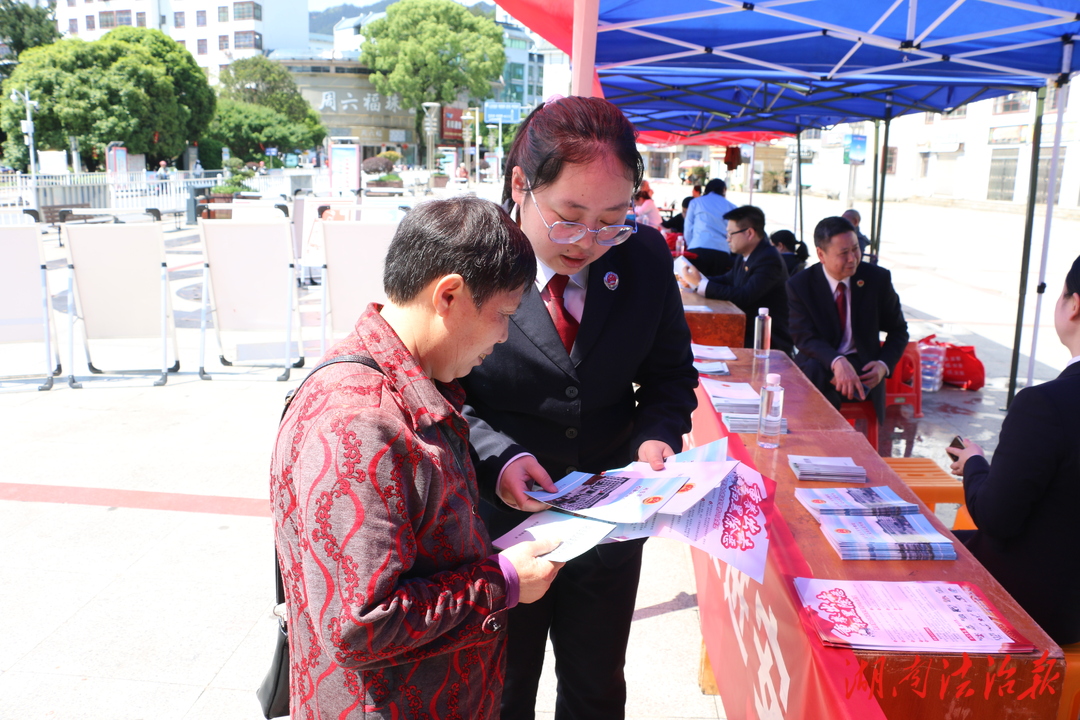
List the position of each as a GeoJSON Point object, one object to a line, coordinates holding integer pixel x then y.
{"type": "Point", "coordinates": [28, 123]}
{"type": "Point", "coordinates": [431, 126]}
{"type": "Point", "coordinates": [467, 118]}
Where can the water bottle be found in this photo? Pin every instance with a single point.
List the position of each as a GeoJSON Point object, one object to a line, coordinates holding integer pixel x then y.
{"type": "Point", "coordinates": [680, 245]}
{"type": "Point", "coordinates": [762, 333]}
{"type": "Point", "coordinates": [771, 412]}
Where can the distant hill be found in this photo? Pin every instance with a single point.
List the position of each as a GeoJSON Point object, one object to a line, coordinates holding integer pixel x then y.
{"type": "Point", "coordinates": [323, 22]}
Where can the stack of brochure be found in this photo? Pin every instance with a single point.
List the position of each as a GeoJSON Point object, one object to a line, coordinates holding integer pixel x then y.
{"type": "Point", "coordinates": [746, 422]}
{"type": "Point", "coordinates": [920, 617]}
{"type": "Point", "coordinates": [727, 397]}
{"type": "Point", "coordinates": [854, 501]}
{"type": "Point", "coordinates": [712, 352]}
{"type": "Point", "coordinates": [711, 367]}
{"type": "Point", "coordinates": [886, 537]}
{"type": "Point", "coordinates": [828, 469]}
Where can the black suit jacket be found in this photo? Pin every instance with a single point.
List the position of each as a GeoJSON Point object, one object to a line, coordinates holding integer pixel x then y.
{"type": "Point", "coordinates": [582, 412]}
{"type": "Point", "coordinates": [757, 281]}
{"type": "Point", "coordinates": [1025, 504]}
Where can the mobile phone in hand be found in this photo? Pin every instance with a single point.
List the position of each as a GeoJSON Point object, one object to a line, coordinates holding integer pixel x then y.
{"type": "Point", "coordinates": [956, 443]}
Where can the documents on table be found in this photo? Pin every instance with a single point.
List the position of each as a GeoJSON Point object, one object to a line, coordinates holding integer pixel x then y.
{"type": "Point", "coordinates": [721, 507]}
{"type": "Point", "coordinates": [732, 397]}
{"type": "Point", "coordinates": [747, 422]}
{"type": "Point", "coordinates": [712, 367]}
{"type": "Point", "coordinates": [923, 617]}
{"type": "Point", "coordinates": [881, 500]}
{"type": "Point", "coordinates": [886, 537]}
{"type": "Point", "coordinates": [712, 352]}
{"type": "Point", "coordinates": [829, 469]}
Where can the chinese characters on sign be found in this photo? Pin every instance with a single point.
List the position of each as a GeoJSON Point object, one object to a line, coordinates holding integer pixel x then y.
{"type": "Point", "coordinates": [372, 102]}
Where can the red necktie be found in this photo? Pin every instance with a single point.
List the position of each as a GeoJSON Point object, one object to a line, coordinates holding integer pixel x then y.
{"type": "Point", "coordinates": [565, 323]}
{"type": "Point", "coordinates": [841, 305]}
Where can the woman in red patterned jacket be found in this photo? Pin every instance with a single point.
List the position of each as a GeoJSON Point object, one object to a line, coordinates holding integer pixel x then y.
{"type": "Point", "coordinates": [396, 600]}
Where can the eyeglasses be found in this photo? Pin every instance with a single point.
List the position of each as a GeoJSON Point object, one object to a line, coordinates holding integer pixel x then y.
{"type": "Point", "coordinates": [565, 233]}
{"type": "Point", "coordinates": [736, 232]}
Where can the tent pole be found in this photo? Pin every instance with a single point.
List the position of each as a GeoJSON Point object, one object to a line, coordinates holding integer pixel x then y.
{"type": "Point", "coordinates": [798, 181]}
{"type": "Point", "coordinates": [1051, 191]}
{"type": "Point", "coordinates": [1029, 220]}
{"type": "Point", "coordinates": [753, 147]}
{"type": "Point", "coordinates": [875, 248]}
{"type": "Point", "coordinates": [874, 191]}
{"type": "Point", "coordinates": [583, 49]}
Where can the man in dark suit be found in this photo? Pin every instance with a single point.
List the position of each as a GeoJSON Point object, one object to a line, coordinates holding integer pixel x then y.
{"type": "Point", "coordinates": [1024, 503]}
{"type": "Point", "coordinates": [757, 279]}
{"type": "Point", "coordinates": [579, 410]}
{"type": "Point", "coordinates": [838, 310]}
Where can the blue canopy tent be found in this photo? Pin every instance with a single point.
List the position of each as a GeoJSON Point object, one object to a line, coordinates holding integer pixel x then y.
{"type": "Point", "coordinates": [845, 53]}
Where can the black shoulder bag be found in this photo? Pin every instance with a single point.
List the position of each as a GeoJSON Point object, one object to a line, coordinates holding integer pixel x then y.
{"type": "Point", "coordinates": [273, 693]}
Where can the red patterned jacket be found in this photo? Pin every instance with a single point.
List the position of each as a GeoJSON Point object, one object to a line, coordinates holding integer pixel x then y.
{"type": "Point", "coordinates": [395, 610]}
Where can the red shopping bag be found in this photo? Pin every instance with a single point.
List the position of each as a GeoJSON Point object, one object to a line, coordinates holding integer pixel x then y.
{"type": "Point", "coordinates": [961, 367]}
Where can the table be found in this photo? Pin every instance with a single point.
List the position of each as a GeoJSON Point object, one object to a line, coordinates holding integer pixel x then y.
{"type": "Point", "coordinates": [722, 323]}
{"type": "Point", "coordinates": [767, 660]}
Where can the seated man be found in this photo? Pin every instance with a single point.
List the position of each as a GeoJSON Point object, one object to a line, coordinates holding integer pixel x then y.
{"type": "Point", "coordinates": [676, 223]}
{"type": "Point", "coordinates": [758, 279]}
{"type": "Point", "coordinates": [1024, 502]}
{"type": "Point", "coordinates": [395, 598]}
{"type": "Point", "coordinates": [852, 216]}
{"type": "Point", "coordinates": [838, 310]}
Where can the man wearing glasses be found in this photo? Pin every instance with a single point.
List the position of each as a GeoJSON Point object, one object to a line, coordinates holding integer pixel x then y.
{"type": "Point", "coordinates": [758, 278]}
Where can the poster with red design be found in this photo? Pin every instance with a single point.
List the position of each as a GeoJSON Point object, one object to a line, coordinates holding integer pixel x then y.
{"type": "Point", "coordinates": [922, 617]}
{"type": "Point", "coordinates": [729, 523]}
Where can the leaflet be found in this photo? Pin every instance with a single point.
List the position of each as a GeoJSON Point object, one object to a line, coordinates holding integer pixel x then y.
{"type": "Point", "coordinates": [701, 478]}
{"type": "Point", "coordinates": [907, 616]}
{"type": "Point", "coordinates": [632, 494]}
{"type": "Point", "coordinates": [712, 352]}
{"type": "Point", "coordinates": [715, 451]}
{"type": "Point", "coordinates": [577, 534]}
{"type": "Point", "coordinates": [729, 523]}
{"type": "Point", "coordinates": [877, 500]}
{"type": "Point", "coordinates": [711, 367]}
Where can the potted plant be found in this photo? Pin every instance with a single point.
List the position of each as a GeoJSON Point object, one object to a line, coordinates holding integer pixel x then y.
{"type": "Point", "coordinates": [378, 166]}
{"type": "Point", "coordinates": [439, 179]}
{"type": "Point", "coordinates": [232, 186]}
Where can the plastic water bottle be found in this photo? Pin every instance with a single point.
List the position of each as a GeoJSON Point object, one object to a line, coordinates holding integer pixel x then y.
{"type": "Point", "coordinates": [680, 245]}
{"type": "Point", "coordinates": [762, 333]}
{"type": "Point", "coordinates": [771, 412]}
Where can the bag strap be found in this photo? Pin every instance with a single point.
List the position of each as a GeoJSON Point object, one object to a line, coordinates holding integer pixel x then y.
{"type": "Point", "coordinates": [279, 585]}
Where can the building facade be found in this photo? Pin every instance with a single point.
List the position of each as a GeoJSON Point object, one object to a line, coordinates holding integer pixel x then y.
{"type": "Point", "coordinates": [216, 32]}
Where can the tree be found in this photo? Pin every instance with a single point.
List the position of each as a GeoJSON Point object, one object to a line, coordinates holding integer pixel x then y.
{"type": "Point", "coordinates": [248, 129]}
{"type": "Point", "coordinates": [129, 88]}
{"type": "Point", "coordinates": [432, 50]}
{"type": "Point", "coordinates": [260, 81]}
{"type": "Point", "coordinates": [193, 92]}
{"type": "Point", "coordinates": [23, 26]}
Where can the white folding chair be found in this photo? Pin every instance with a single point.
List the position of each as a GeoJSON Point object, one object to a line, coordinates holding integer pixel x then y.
{"type": "Point", "coordinates": [250, 274]}
{"type": "Point", "coordinates": [118, 284]}
{"type": "Point", "coordinates": [355, 254]}
{"type": "Point", "coordinates": [25, 315]}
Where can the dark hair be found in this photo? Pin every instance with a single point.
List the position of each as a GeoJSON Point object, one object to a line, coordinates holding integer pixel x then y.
{"type": "Point", "coordinates": [750, 215]}
{"type": "Point", "coordinates": [829, 228]}
{"type": "Point", "coordinates": [716, 185]}
{"type": "Point", "coordinates": [572, 130]}
{"type": "Point", "coordinates": [465, 235]}
{"type": "Point", "coordinates": [786, 239]}
{"type": "Point", "coordinates": [686, 201]}
{"type": "Point", "coordinates": [642, 195]}
{"type": "Point", "coordinates": [1072, 279]}
{"type": "Point", "coordinates": [852, 211]}
{"type": "Point", "coordinates": [698, 188]}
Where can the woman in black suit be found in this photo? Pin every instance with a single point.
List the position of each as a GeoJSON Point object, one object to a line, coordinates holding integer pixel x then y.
{"type": "Point", "coordinates": [559, 395]}
{"type": "Point", "coordinates": [1025, 502]}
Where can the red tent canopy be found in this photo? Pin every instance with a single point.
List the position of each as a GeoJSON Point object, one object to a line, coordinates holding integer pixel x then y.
{"type": "Point", "coordinates": [717, 137]}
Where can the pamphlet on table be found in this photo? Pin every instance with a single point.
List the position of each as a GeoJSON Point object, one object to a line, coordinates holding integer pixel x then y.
{"type": "Point", "coordinates": [879, 500]}
{"type": "Point", "coordinates": [886, 537]}
{"type": "Point", "coordinates": [712, 352]}
{"type": "Point", "coordinates": [828, 469]}
{"type": "Point", "coordinates": [920, 617]}
{"type": "Point", "coordinates": [711, 367]}
{"type": "Point", "coordinates": [728, 397]}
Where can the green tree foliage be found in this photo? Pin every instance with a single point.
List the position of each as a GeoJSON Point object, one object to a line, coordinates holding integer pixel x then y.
{"type": "Point", "coordinates": [432, 50]}
{"type": "Point", "coordinates": [123, 88]}
{"type": "Point", "coordinates": [193, 92]}
{"type": "Point", "coordinates": [260, 81]}
{"type": "Point", "coordinates": [247, 130]}
{"type": "Point", "coordinates": [23, 26]}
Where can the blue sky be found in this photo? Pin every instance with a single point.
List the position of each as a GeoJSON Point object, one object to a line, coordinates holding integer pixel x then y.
{"type": "Point", "coordinates": [320, 5]}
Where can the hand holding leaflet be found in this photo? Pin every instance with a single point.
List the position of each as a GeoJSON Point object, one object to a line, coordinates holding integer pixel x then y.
{"type": "Point", "coordinates": [577, 534]}
{"type": "Point", "coordinates": [630, 495]}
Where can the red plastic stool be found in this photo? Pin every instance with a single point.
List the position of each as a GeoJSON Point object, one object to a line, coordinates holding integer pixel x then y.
{"type": "Point", "coordinates": [905, 383]}
{"type": "Point", "coordinates": [853, 412]}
